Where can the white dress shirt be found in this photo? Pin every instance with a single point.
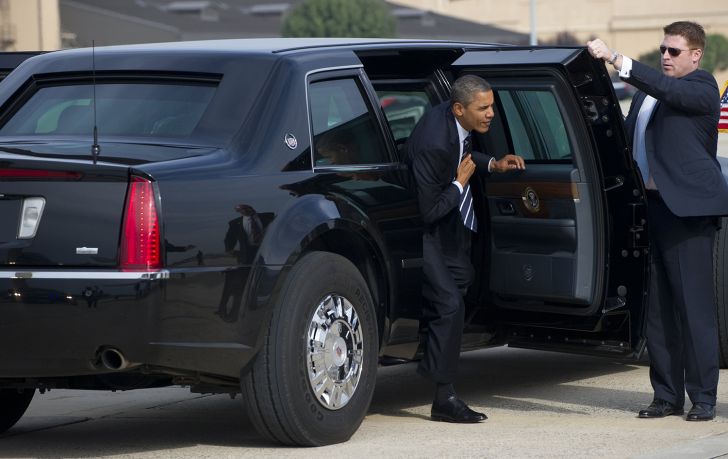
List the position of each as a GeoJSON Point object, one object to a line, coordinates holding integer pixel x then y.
{"type": "Point", "coordinates": [462, 134]}
{"type": "Point", "coordinates": [643, 117]}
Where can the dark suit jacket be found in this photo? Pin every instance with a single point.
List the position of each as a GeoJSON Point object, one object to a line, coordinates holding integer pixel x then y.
{"type": "Point", "coordinates": [681, 139]}
{"type": "Point", "coordinates": [236, 236]}
{"type": "Point", "coordinates": [432, 153]}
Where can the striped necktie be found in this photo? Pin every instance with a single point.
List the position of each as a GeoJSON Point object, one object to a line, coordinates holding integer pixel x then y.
{"type": "Point", "coordinates": [466, 197]}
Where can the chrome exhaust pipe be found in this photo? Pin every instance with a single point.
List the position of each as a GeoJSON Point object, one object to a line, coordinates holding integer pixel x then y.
{"type": "Point", "coordinates": [113, 359]}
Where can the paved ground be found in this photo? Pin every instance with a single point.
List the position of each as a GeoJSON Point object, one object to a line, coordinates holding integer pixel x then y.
{"type": "Point", "coordinates": [540, 405]}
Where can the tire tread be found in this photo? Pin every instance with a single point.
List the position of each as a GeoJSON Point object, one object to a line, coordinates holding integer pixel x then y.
{"type": "Point", "coordinates": [263, 413]}
{"type": "Point", "coordinates": [13, 405]}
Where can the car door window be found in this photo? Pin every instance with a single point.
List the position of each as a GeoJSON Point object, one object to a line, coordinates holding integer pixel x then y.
{"type": "Point", "coordinates": [534, 124]}
{"type": "Point", "coordinates": [344, 128]}
{"type": "Point", "coordinates": [403, 109]}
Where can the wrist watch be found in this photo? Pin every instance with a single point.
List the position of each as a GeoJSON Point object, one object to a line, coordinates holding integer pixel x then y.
{"type": "Point", "coordinates": [613, 59]}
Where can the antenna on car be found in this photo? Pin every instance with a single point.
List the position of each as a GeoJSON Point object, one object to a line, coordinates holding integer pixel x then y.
{"type": "Point", "coordinates": [95, 148]}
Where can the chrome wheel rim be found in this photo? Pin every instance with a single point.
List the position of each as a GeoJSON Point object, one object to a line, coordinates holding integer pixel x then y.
{"type": "Point", "coordinates": [335, 351]}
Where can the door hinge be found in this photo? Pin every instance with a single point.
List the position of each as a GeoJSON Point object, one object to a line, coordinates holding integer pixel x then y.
{"type": "Point", "coordinates": [613, 302]}
{"type": "Point", "coordinates": [639, 226]}
{"type": "Point", "coordinates": [611, 183]}
{"type": "Point", "coordinates": [590, 110]}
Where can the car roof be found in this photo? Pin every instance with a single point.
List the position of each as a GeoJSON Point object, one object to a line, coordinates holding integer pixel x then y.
{"type": "Point", "coordinates": [219, 56]}
{"type": "Point", "coordinates": [274, 45]}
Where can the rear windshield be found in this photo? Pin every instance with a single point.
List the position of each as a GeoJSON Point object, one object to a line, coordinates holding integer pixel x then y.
{"type": "Point", "coordinates": [146, 110]}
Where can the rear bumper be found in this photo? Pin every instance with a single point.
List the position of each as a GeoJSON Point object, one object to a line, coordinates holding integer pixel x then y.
{"type": "Point", "coordinates": [84, 275]}
{"type": "Point", "coordinates": [54, 323]}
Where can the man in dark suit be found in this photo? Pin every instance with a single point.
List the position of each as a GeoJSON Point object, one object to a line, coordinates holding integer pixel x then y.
{"type": "Point", "coordinates": [245, 232]}
{"type": "Point", "coordinates": [673, 126]}
{"type": "Point", "coordinates": [439, 155]}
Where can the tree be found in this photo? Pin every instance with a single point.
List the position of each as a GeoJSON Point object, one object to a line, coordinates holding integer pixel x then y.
{"type": "Point", "coordinates": [715, 56]}
{"type": "Point", "coordinates": [340, 18]}
{"type": "Point", "coordinates": [563, 38]}
{"type": "Point", "coordinates": [651, 58]}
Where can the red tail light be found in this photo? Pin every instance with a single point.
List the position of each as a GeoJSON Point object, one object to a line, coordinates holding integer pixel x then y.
{"type": "Point", "coordinates": [38, 174]}
{"type": "Point", "coordinates": [140, 240]}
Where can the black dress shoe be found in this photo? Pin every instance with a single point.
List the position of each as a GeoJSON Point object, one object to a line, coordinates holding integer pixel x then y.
{"type": "Point", "coordinates": [701, 412]}
{"type": "Point", "coordinates": [455, 410]}
{"type": "Point", "coordinates": [659, 409]}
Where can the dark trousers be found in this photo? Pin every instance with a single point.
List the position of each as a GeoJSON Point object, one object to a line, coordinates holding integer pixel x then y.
{"type": "Point", "coordinates": [448, 273]}
{"type": "Point", "coordinates": [682, 329]}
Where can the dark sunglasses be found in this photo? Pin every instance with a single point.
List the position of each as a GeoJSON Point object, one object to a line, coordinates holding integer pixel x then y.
{"type": "Point", "coordinates": [674, 52]}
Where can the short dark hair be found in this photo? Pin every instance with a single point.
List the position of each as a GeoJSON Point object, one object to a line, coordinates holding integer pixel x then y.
{"type": "Point", "coordinates": [466, 87]}
{"type": "Point", "coordinates": [692, 32]}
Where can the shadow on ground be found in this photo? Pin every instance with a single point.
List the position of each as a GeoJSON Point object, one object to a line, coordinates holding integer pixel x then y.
{"type": "Point", "coordinates": [508, 379]}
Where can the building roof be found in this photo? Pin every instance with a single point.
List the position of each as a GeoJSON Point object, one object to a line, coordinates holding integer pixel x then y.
{"type": "Point", "coordinates": [215, 19]}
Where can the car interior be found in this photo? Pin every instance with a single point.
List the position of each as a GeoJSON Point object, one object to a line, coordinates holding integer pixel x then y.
{"type": "Point", "coordinates": [542, 248]}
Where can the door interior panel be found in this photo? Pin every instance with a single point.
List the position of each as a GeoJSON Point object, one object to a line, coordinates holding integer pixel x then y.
{"type": "Point", "coordinates": [542, 241]}
{"type": "Point", "coordinates": [533, 232]}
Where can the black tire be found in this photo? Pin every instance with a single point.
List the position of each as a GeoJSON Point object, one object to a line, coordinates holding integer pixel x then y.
{"type": "Point", "coordinates": [720, 269]}
{"type": "Point", "coordinates": [278, 391]}
{"type": "Point", "coordinates": [13, 403]}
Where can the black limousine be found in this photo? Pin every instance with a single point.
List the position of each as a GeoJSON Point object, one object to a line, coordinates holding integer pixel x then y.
{"type": "Point", "coordinates": [233, 216]}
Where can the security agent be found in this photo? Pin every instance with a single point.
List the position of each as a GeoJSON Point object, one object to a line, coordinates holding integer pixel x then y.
{"type": "Point", "coordinates": [673, 125]}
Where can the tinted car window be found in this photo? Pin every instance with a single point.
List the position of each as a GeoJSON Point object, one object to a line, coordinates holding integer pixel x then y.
{"type": "Point", "coordinates": [128, 109]}
{"type": "Point", "coordinates": [403, 110]}
{"type": "Point", "coordinates": [345, 131]}
{"type": "Point", "coordinates": [535, 124]}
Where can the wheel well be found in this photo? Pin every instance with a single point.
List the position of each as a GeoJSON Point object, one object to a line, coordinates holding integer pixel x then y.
{"type": "Point", "coordinates": [367, 260]}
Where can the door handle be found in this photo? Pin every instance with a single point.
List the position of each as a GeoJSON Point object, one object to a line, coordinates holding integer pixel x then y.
{"type": "Point", "coordinates": [506, 207]}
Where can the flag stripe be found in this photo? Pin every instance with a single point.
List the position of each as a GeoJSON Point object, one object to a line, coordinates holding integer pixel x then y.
{"type": "Point", "coordinates": [723, 121]}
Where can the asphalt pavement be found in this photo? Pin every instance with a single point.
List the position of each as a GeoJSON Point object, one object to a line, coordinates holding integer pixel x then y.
{"type": "Point", "coordinates": [540, 404]}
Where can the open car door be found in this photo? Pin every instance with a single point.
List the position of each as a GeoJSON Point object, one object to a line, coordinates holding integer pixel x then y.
{"type": "Point", "coordinates": [564, 259]}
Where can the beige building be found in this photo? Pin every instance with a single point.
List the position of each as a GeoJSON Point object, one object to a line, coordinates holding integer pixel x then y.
{"type": "Point", "coordinates": [631, 26]}
{"type": "Point", "coordinates": [29, 25]}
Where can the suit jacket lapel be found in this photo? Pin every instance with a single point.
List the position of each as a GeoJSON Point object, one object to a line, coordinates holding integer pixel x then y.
{"type": "Point", "coordinates": [453, 139]}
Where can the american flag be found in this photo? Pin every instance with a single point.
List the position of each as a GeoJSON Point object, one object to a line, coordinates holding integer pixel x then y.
{"type": "Point", "coordinates": [723, 122]}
